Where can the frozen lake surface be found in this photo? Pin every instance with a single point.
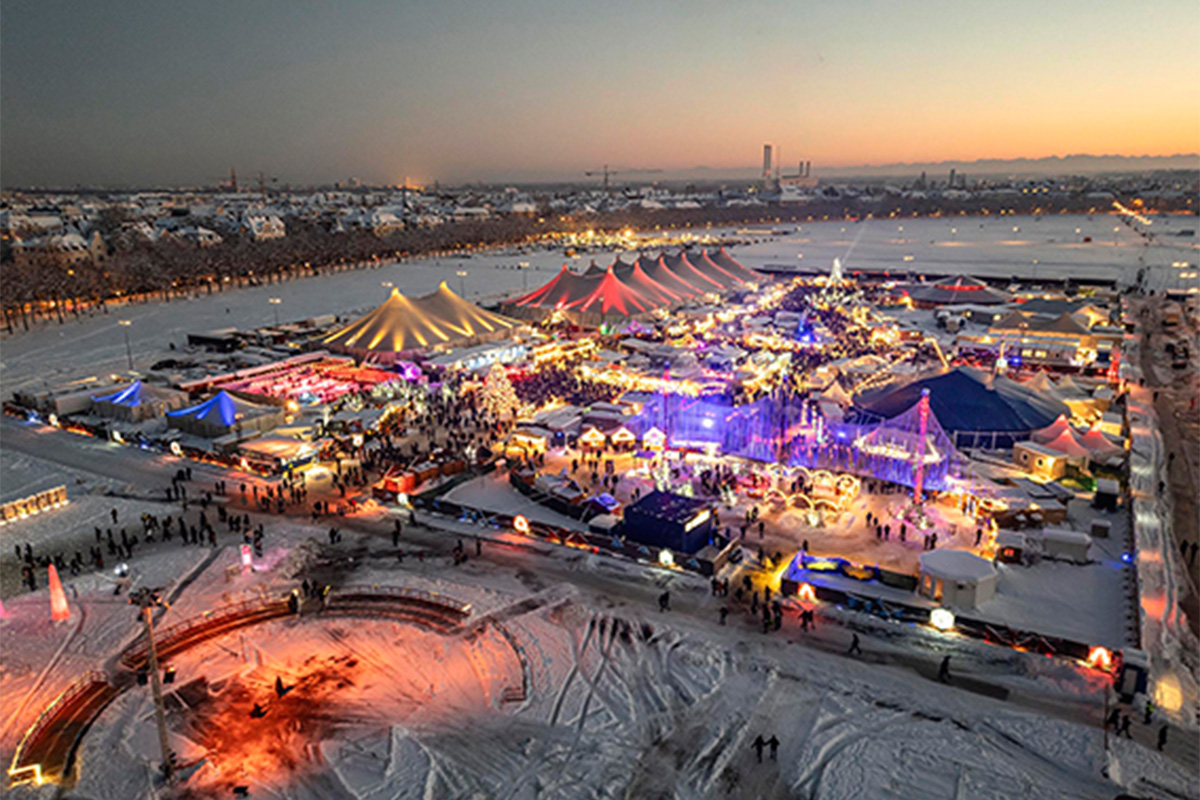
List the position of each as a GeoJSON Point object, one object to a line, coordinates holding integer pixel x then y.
{"type": "Point", "coordinates": [969, 245]}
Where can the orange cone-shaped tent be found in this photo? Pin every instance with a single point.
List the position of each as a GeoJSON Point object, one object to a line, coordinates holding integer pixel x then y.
{"type": "Point", "coordinates": [59, 610]}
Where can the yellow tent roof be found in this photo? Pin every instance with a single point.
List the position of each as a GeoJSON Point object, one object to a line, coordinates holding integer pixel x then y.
{"type": "Point", "coordinates": [403, 324]}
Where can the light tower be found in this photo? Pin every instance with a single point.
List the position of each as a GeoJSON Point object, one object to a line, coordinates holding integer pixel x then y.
{"type": "Point", "coordinates": [148, 600]}
{"type": "Point", "coordinates": [922, 430]}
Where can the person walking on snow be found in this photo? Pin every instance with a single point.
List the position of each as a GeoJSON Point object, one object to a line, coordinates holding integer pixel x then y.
{"type": "Point", "coordinates": [1162, 738]}
{"type": "Point", "coordinates": [773, 743]}
{"type": "Point", "coordinates": [944, 670]}
{"type": "Point", "coordinates": [664, 601]}
{"type": "Point", "coordinates": [1124, 729]}
{"type": "Point", "coordinates": [855, 649]}
{"type": "Point", "coordinates": [758, 746]}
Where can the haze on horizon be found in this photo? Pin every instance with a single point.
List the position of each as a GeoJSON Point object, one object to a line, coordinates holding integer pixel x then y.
{"type": "Point", "coordinates": [153, 93]}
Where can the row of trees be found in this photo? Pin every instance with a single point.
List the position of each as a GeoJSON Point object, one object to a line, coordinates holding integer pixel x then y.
{"type": "Point", "coordinates": [139, 271]}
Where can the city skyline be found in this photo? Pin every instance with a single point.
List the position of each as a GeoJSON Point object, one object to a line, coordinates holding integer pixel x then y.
{"type": "Point", "coordinates": [535, 91]}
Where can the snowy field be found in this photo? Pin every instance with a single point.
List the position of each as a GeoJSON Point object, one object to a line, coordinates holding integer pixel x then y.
{"type": "Point", "coordinates": [624, 701]}
{"type": "Point", "coordinates": [1042, 247]}
{"type": "Point", "coordinates": [983, 246]}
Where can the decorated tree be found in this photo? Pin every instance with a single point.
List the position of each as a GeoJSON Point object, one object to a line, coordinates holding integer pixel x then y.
{"type": "Point", "coordinates": [498, 397]}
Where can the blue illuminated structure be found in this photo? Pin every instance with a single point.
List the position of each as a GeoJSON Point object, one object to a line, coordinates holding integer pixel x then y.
{"type": "Point", "coordinates": [221, 406]}
{"type": "Point", "coordinates": [130, 396]}
{"type": "Point", "coordinates": [793, 431]}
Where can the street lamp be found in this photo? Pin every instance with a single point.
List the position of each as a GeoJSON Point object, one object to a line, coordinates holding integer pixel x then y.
{"type": "Point", "coordinates": [462, 290]}
{"type": "Point", "coordinates": [124, 323]}
{"type": "Point", "coordinates": [275, 301]}
{"type": "Point", "coordinates": [147, 600]}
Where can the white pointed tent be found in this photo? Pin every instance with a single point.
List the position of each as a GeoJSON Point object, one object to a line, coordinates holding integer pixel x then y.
{"type": "Point", "coordinates": [1069, 388]}
{"type": "Point", "coordinates": [1068, 445]}
{"type": "Point", "coordinates": [1098, 443]}
{"type": "Point", "coordinates": [1051, 431]}
{"type": "Point", "coordinates": [1042, 383]}
{"type": "Point", "coordinates": [836, 394]}
{"type": "Point", "coordinates": [403, 325]}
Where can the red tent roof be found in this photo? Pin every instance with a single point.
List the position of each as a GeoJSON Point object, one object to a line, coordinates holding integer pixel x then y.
{"type": "Point", "coordinates": [731, 265]}
{"type": "Point", "coordinates": [649, 288]}
{"type": "Point", "coordinates": [680, 265]}
{"type": "Point", "coordinates": [532, 298]}
{"type": "Point", "coordinates": [568, 290]}
{"type": "Point", "coordinates": [708, 267]}
{"type": "Point", "coordinates": [611, 295]}
{"type": "Point", "coordinates": [661, 273]}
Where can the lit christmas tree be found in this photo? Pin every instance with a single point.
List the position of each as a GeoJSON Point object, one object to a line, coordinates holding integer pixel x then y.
{"type": "Point", "coordinates": [498, 396]}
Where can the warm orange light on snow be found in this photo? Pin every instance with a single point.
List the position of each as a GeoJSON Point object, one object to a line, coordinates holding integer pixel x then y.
{"type": "Point", "coordinates": [1167, 694]}
{"type": "Point", "coordinates": [1100, 658]}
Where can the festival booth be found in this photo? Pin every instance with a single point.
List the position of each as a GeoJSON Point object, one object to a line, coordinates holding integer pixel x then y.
{"type": "Point", "coordinates": [957, 578]}
{"type": "Point", "coordinates": [592, 439]}
{"type": "Point", "coordinates": [662, 519]}
{"type": "Point", "coordinates": [137, 402]}
{"type": "Point", "coordinates": [1065, 544]}
{"type": "Point", "coordinates": [1040, 460]}
{"type": "Point", "coordinates": [527, 442]}
{"type": "Point", "coordinates": [277, 453]}
{"type": "Point", "coordinates": [222, 415]}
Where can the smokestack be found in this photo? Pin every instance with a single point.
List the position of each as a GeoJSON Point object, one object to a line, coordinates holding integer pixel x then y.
{"type": "Point", "coordinates": [808, 169]}
{"type": "Point", "coordinates": [766, 172]}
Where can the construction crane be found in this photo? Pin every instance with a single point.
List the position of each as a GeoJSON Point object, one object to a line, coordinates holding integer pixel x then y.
{"type": "Point", "coordinates": [262, 185]}
{"type": "Point", "coordinates": [606, 172]}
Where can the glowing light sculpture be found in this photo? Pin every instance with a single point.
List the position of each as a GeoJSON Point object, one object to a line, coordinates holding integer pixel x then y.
{"type": "Point", "coordinates": [59, 610]}
{"type": "Point", "coordinates": [923, 417]}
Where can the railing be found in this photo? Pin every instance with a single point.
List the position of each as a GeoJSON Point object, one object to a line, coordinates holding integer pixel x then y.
{"type": "Point", "coordinates": [32, 773]}
{"type": "Point", "coordinates": [165, 637]}
{"type": "Point", "coordinates": [435, 598]}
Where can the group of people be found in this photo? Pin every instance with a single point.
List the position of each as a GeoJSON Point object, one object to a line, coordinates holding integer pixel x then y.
{"type": "Point", "coordinates": [1120, 723]}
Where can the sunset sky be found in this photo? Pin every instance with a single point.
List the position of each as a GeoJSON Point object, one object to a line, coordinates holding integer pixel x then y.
{"type": "Point", "coordinates": [166, 92]}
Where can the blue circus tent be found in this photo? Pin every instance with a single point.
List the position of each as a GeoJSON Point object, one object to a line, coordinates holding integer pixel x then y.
{"type": "Point", "coordinates": [130, 396]}
{"type": "Point", "coordinates": [974, 408]}
{"type": "Point", "coordinates": [221, 406]}
{"type": "Point", "coordinates": [221, 414]}
{"type": "Point", "coordinates": [137, 402]}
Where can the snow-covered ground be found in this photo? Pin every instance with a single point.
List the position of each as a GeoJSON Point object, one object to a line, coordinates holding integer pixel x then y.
{"type": "Point", "coordinates": [624, 700]}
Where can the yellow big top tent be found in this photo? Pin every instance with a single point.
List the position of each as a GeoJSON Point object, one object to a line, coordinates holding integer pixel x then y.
{"type": "Point", "coordinates": [403, 325]}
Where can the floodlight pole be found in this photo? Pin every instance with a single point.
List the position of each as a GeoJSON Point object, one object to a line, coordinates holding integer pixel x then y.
{"type": "Point", "coordinates": [923, 420]}
{"type": "Point", "coordinates": [147, 599]}
{"type": "Point", "coordinates": [124, 323]}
